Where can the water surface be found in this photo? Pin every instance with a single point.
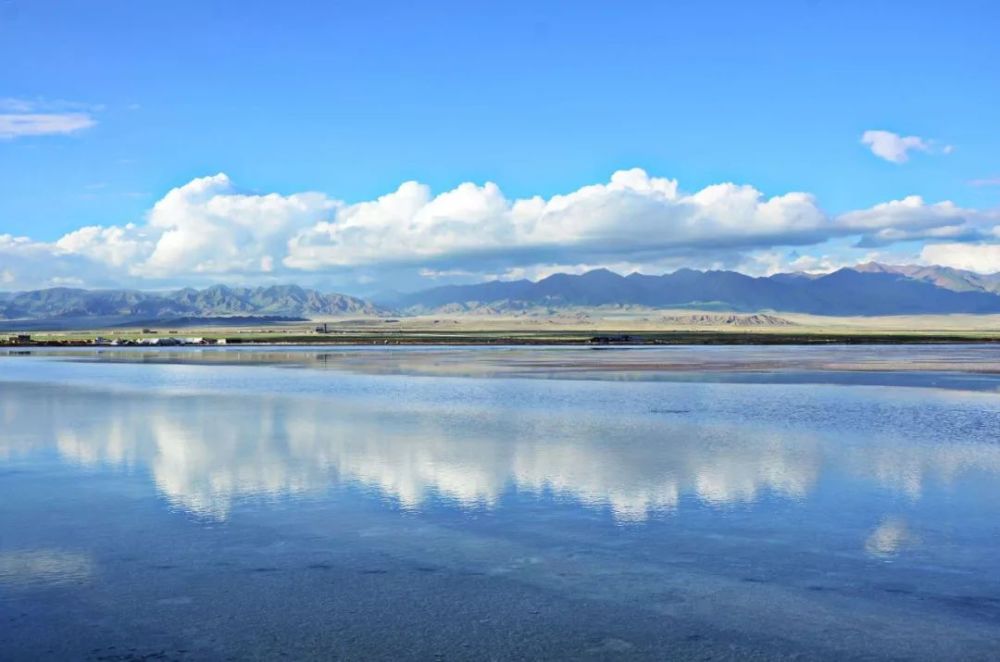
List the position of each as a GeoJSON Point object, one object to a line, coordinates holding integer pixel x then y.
{"type": "Point", "coordinates": [736, 503]}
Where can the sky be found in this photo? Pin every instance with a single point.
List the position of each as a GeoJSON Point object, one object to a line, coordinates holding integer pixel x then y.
{"type": "Point", "coordinates": [372, 146]}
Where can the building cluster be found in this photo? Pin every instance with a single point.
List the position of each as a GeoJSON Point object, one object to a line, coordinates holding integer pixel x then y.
{"type": "Point", "coordinates": [168, 341]}
{"type": "Point", "coordinates": [23, 339]}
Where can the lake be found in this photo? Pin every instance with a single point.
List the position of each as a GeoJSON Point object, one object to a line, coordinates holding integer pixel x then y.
{"type": "Point", "coordinates": [500, 503]}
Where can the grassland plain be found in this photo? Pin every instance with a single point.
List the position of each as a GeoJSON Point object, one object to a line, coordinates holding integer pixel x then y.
{"type": "Point", "coordinates": [585, 326]}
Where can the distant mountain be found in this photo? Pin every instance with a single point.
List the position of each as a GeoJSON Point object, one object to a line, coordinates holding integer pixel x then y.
{"type": "Point", "coordinates": [217, 301]}
{"type": "Point", "coordinates": [951, 279]}
{"type": "Point", "coordinates": [870, 289]}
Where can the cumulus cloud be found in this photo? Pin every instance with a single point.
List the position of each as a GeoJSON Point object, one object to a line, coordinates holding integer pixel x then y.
{"type": "Point", "coordinates": [207, 227]}
{"type": "Point", "coordinates": [27, 263]}
{"type": "Point", "coordinates": [984, 258]}
{"type": "Point", "coordinates": [896, 148]}
{"type": "Point", "coordinates": [912, 218]}
{"type": "Point", "coordinates": [114, 246]}
{"type": "Point", "coordinates": [632, 213]}
{"type": "Point", "coordinates": [209, 230]}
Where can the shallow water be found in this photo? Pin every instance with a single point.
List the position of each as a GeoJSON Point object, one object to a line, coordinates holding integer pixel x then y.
{"type": "Point", "coordinates": [451, 503]}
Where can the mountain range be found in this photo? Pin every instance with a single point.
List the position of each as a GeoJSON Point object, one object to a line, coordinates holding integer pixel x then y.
{"type": "Point", "coordinates": [867, 289]}
{"type": "Point", "coordinates": [217, 301]}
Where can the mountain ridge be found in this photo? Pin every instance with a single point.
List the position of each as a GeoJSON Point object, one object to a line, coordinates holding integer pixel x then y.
{"type": "Point", "coordinates": [214, 301]}
{"type": "Point", "coordinates": [868, 289]}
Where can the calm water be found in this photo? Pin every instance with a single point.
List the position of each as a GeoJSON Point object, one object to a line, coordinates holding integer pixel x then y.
{"type": "Point", "coordinates": [445, 505]}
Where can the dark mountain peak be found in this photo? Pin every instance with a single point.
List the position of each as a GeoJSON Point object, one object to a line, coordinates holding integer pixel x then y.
{"type": "Point", "coordinates": [793, 276]}
{"type": "Point", "coordinates": [873, 268]}
{"type": "Point", "coordinates": [600, 273]}
{"type": "Point", "coordinates": [549, 279]}
{"type": "Point", "coordinates": [850, 272]}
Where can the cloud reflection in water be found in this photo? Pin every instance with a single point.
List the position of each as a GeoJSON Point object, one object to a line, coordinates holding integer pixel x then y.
{"type": "Point", "coordinates": [207, 452]}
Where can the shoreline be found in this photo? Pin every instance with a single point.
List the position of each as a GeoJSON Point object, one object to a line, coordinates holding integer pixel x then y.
{"type": "Point", "coordinates": [663, 338]}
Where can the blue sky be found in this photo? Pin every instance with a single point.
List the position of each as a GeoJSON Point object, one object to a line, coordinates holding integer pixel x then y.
{"type": "Point", "coordinates": [351, 100]}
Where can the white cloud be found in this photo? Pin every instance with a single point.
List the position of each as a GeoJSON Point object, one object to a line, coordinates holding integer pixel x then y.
{"type": "Point", "coordinates": [115, 246]}
{"type": "Point", "coordinates": [539, 271]}
{"type": "Point", "coordinates": [770, 262]}
{"type": "Point", "coordinates": [896, 148]}
{"type": "Point", "coordinates": [27, 264]}
{"type": "Point", "coordinates": [208, 230]}
{"type": "Point", "coordinates": [207, 227]}
{"type": "Point", "coordinates": [912, 218]}
{"type": "Point", "coordinates": [41, 117]}
{"type": "Point", "coordinates": [14, 125]}
{"type": "Point", "coordinates": [633, 212]}
{"type": "Point", "coordinates": [910, 211]}
{"type": "Point", "coordinates": [984, 258]}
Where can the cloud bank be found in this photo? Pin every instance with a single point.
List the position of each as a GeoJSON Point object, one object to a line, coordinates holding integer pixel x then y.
{"type": "Point", "coordinates": [208, 230]}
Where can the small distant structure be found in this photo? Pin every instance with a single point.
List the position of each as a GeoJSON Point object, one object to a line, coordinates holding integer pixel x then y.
{"type": "Point", "coordinates": [322, 328]}
{"type": "Point", "coordinates": [622, 339]}
{"type": "Point", "coordinates": [160, 342]}
{"type": "Point", "coordinates": [20, 339]}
